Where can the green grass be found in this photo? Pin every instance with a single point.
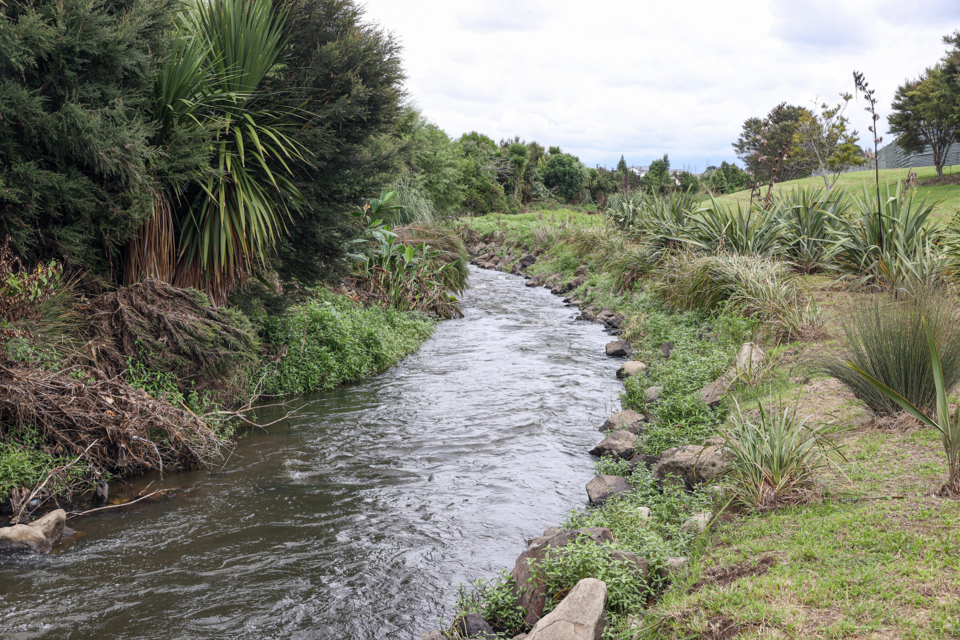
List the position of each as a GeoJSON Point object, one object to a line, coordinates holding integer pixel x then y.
{"type": "Point", "coordinates": [854, 181]}
{"type": "Point", "coordinates": [876, 558]}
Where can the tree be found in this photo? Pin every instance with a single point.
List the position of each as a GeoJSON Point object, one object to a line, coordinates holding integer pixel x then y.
{"type": "Point", "coordinates": [925, 114]}
{"type": "Point", "coordinates": [757, 156]}
{"type": "Point", "coordinates": [718, 181]}
{"type": "Point", "coordinates": [481, 168]}
{"type": "Point", "coordinates": [437, 163]}
{"type": "Point", "coordinates": [76, 78]}
{"type": "Point", "coordinates": [344, 76]}
{"type": "Point", "coordinates": [565, 174]}
{"type": "Point", "coordinates": [734, 177]}
{"type": "Point", "coordinates": [689, 182]}
{"type": "Point", "coordinates": [658, 178]}
{"type": "Point", "coordinates": [518, 157]}
{"type": "Point", "coordinates": [824, 143]}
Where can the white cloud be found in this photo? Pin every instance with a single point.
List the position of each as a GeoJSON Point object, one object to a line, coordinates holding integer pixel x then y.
{"type": "Point", "coordinates": [643, 79]}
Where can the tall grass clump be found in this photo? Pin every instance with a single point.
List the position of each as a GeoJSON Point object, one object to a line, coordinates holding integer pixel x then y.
{"type": "Point", "coordinates": [760, 286]}
{"type": "Point", "coordinates": [774, 457]}
{"type": "Point", "coordinates": [895, 250]}
{"type": "Point", "coordinates": [886, 341]}
{"type": "Point", "coordinates": [947, 425]}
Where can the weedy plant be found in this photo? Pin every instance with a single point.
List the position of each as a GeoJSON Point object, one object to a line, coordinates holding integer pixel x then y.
{"type": "Point", "coordinates": [948, 426]}
{"type": "Point", "coordinates": [885, 340]}
{"type": "Point", "coordinates": [775, 457]}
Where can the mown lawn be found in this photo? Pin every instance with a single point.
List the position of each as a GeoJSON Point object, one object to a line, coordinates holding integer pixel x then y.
{"type": "Point", "coordinates": [855, 180]}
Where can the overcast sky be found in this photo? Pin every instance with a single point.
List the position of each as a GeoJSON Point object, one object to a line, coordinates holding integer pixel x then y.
{"type": "Point", "coordinates": [612, 77]}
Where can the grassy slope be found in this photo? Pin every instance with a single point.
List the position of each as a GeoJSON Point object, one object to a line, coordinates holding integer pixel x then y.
{"type": "Point", "coordinates": [878, 557]}
{"type": "Point", "coordinates": [854, 181]}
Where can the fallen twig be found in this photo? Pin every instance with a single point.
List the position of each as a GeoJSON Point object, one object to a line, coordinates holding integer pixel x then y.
{"type": "Point", "coordinates": [163, 492]}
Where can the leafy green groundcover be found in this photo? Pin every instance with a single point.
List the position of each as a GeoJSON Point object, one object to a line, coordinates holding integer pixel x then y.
{"type": "Point", "coordinates": [333, 339]}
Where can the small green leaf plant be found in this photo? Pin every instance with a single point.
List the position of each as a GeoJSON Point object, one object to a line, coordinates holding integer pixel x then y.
{"type": "Point", "coordinates": [947, 425]}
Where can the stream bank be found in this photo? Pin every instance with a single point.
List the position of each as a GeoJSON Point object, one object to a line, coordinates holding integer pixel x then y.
{"type": "Point", "coordinates": [359, 517]}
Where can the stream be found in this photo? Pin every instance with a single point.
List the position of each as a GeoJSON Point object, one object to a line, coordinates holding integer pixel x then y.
{"type": "Point", "coordinates": [357, 518]}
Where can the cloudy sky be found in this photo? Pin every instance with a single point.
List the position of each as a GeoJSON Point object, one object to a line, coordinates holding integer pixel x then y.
{"type": "Point", "coordinates": [646, 78]}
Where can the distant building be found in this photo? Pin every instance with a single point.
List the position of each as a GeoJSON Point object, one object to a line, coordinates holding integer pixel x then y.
{"type": "Point", "coordinates": [640, 171]}
{"type": "Point", "coordinates": [893, 157]}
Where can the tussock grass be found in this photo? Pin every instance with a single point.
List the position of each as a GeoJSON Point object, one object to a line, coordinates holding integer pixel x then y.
{"type": "Point", "coordinates": [886, 340]}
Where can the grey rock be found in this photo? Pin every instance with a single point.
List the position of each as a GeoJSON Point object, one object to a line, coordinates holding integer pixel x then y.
{"type": "Point", "coordinates": [38, 536]}
{"type": "Point", "coordinates": [587, 316]}
{"type": "Point", "coordinates": [582, 270]}
{"type": "Point", "coordinates": [516, 269]}
{"type": "Point", "coordinates": [639, 566]}
{"type": "Point", "coordinates": [666, 349]}
{"type": "Point", "coordinates": [473, 625]}
{"type": "Point", "coordinates": [749, 358]}
{"type": "Point", "coordinates": [652, 394]}
{"type": "Point", "coordinates": [650, 462]}
{"type": "Point", "coordinates": [528, 260]}
{"type": "Point", "coordinates": [632, 368]}
{"type": "Point", "coordinates": [557, 289]}
{"type": "Point", "coordinates": [579, 616]}
{"type": "Point", "coordinates": [697, 523]}
{"type": "Point", "coordinates": [671, 566]}
{"type": "Point", "coordinates": [619, 444]}
{"type": "Point", "coordinates": [604, 487]}
{"type": "Point", "coordinates": [691, 465]}
{"type": "Point", "coordinates": [615, 322]}
{"type": "Point", "coordinates": [619, 349]}
{"type": "Point", "coordinates": [713, 393]}
{"type": "Point", "coordinates": [433, 634]}
{"type": "Point", "coordinates": [530, 594]}
{"type": "Point", "coordinates": [606, 314]}
{"type": "Point", "coordinates": [573, 284]}
{"type": "Point", "coordinates": [628, 420]}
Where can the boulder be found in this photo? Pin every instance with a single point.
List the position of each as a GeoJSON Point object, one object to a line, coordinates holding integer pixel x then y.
{"type": "Point", "coordinates": [691, 464]}
{"type": "Point", "coordinates": [473, 625]}
{"type": "Point", "coordinates": [573, 284]}
{"type": "Point", "coordinates": [587, 316]}
{"type": "Point", "coordinates": [530, 593]}
{"type": "Point", "coordinates": [433, 634]}
{"type": "Point", "coordinates": [536, 281]}
{"type": "Point", "coordinates": [603, 487]}
{"type": "Point", "coordinates": [632, 368]}
{"type": "Point", "coordinates": [671, 566]}
{"type": "Point", "coordinates": [619, 444]}
{"type": "Point", "coordinates": [628, 420]}
{"type": "Point", "coordinates": [640, 567]}
{"type": "Point", "coordinates": [615, 322]}
{"type": "Point", "coordinates": [749, 358]}
{"type": "Point", "coordinates": [517, 269]}
{"type": "Point", "coordinates": [650, 462]}
{"type": "Point", "coordinates": [697, 523]}
{"type": "Point", "coordinates": [579, 616]}
{"type": "Point", "coordinates": [528, 260]}
{"type": "Point", "coordinates": [38, 536]}
{"type": "Point", "coordinates": [582, 270]}
{"type": "Point", "coordinates": [619, 349]}
{"type": "Point", "coordinates": [652, 394]}
{"type": "Point", "coordinates": [712, 394]}
{"type": "Point", "coordinates": [606, 314]}
{"type": "Point", "coordinates": [666, 349]}
{"type": "Point", "coordinates": [644, 513]}
{"type": "Point", "coordinates": [558, 289]}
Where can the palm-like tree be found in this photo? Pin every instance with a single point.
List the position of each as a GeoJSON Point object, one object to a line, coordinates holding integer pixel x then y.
{"type": "Point", "coordinates": [215, 225]}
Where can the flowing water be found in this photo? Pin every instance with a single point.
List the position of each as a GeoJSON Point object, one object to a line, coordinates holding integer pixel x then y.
{"type": "Point", "coordinates": [357, 518]}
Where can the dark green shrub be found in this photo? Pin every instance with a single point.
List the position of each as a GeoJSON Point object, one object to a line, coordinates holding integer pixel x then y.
{"type": "Point", "coordinates": [885, 339]}
{"type": "Point", "coordinates": [563, 174]}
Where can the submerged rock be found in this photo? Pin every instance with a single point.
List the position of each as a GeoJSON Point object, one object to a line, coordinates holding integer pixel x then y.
{"type": "Point", "coordinates": [579, 616]}
{"type": "Point", "coordinates": [619, 444]}
{"type": "Point", "coordinates": [38, 536]}
{"type": "Point", "coordinates": [604, 487]}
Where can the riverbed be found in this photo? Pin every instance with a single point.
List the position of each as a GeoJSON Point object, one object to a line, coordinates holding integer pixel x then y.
{"type": "Point", "coordinates": [357, 518]}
